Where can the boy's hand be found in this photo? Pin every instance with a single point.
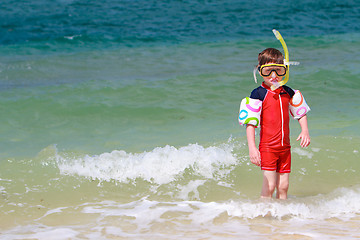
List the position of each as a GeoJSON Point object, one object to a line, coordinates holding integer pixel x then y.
{"type": "Point", "coordinates": [305, 139]}
{"type": "Point", "coordinates": [255, 158]}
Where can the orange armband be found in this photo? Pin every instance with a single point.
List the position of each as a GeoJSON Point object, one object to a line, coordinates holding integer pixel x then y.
{"type": "Point", "coordinates": [298, 106]}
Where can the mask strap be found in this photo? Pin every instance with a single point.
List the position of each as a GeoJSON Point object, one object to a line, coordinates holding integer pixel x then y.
{"type": "Point", "coordinates": [254, 72]}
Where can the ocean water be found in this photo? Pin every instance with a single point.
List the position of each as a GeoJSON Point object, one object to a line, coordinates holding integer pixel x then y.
{"type": "Point", "coordinates": [119, 119]}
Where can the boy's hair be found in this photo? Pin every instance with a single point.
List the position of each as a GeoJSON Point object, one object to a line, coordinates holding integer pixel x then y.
{"type": "Point", "coordinates": [270, 55]}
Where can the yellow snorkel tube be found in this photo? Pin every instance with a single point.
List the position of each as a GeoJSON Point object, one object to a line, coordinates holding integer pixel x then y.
{"type": "Point", "coordinates": [286, 60]}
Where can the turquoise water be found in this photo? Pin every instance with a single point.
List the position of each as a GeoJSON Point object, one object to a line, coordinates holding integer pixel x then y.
{"type": "Point", "coordinates": [119, 120]}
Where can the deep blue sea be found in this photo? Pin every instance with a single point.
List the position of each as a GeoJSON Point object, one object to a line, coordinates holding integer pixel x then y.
{"type": "Point", "coordinates": [118, 119]}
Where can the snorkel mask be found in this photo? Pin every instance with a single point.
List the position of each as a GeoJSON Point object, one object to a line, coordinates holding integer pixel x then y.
{"type": "Point", "coordinates": [287, 63]}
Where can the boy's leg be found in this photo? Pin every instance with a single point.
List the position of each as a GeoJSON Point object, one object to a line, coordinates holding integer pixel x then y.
{"type": "Point", "coordinates": [284, 167]}
{"type": "Point", "coordinates": [282, 185]}
{"type": "Point", "coordinates": [269, 183]}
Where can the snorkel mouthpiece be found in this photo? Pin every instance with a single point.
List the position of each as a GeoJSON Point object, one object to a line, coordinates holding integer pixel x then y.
{"type": "Point", "coordinates": [275, 85]}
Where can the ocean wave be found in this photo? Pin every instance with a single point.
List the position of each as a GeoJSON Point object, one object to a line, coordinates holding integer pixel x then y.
{"type": "Point", "coordinates": [331, 216]}
{"type": "Point", "coordinates": [162, 165]}
{"type": "Point", "coordinates": [342, 203]}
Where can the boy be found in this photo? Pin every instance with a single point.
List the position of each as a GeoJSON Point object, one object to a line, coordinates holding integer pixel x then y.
{"type": "Point", "coordinates": [273, 155]}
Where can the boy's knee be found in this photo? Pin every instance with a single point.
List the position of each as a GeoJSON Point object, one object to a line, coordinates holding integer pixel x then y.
{"type": "Point", "coordinates": [283, 187]}
{"type": "Point", "coordinates": [272, 187]}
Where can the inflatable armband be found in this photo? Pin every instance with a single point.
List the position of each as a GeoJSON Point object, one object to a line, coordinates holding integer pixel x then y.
{"type": "Point", "coordinates": [250, 110]}
{"type": "Point", "coordinates": [298, 106]}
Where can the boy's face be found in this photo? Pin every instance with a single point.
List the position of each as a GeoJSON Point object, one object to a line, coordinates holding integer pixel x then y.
{"type": "Point", "coordinates": [273, 72]}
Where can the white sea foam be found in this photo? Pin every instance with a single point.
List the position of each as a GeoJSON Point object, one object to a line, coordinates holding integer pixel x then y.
{"type": "Point", "coordinates": [232, 217]}
{"type": "Point", "coordinates": [303, 152]}
{"type": "Point", "coordinates": [315, 149]}
{"type": "Point", "coordinates": [342, 203]}
{"type": "Point", "coordinates": [191, 187]}
{"type": "Point", "coordinates": [238, 218]}
{"type": "Point", "coordinates": [40, 232]}
{"type": "Point", "coordinates": [72, 37]}
{"type": "Point", "coordinates": [56, 210]}
{"type": "Point", "coordinates": [161, 165]}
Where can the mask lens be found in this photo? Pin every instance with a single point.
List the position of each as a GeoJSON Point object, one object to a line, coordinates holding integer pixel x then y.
{"type": "Point", "coordinates": [266, 70]}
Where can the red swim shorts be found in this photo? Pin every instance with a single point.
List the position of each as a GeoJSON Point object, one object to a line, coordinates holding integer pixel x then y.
{"type": "Point", "coordinates": [279, 161]}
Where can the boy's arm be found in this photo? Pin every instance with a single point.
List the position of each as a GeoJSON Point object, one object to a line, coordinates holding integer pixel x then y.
{"type": "Point", "coordinates": [304, 135]}
{"type": "Point", "coordinates": [253, 151]}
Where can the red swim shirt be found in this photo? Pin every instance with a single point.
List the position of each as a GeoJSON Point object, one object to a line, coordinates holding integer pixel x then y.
{"type": "Point", "coordinates": [274, 119]}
